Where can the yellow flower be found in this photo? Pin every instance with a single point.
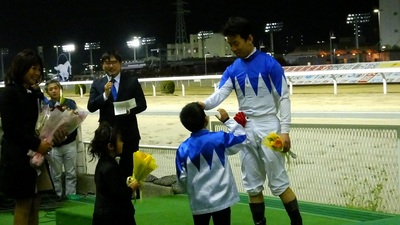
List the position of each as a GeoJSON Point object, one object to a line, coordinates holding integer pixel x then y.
{"type": "Point", "coordinates": [274, 142]}
{"type": "Point", "coordinates": [143, 165]}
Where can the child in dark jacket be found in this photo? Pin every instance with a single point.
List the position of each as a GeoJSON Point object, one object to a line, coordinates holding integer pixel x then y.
{"type": "Point", "coordinates": [113, 204]}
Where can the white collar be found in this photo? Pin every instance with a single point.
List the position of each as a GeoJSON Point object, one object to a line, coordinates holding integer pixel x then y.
{"type": "Point", "coordinates": [254, 50]}
{"type": "Point", "coordinates": [116, 78]}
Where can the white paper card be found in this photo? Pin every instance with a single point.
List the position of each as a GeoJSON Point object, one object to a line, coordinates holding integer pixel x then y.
{"type": "Point", "coordinates": [123, 107]}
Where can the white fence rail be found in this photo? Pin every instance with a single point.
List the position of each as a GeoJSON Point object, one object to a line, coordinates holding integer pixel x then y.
{"type": "Point", "coordinates": [314, 77]}
{"type": "Point", "coordinates": [360, 73]}
{"type": "Point", "coordinates": [345, 165]}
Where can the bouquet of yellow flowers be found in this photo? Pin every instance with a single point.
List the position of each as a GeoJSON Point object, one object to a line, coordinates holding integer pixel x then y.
{"type": "Point", "coordinates": [274, 142]}
{"type": "Point", "coordinates": [143, 165]}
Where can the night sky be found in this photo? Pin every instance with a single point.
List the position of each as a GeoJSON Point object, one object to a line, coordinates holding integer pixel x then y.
{"type": "Point", "coordinates": [27, 24]}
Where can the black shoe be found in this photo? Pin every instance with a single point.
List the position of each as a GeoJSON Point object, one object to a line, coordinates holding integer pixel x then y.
{"type": "Point", "coordinates": [263, 222]}
{"type": "Point", "coordinates": [59, 198]}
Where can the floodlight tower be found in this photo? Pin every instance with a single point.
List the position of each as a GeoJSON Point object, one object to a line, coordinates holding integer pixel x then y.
{"type": "Point", "coordinates": [331, 37]}
{"type": "Point", "coordinates": [148, 41]}
{"type": "Point", "coordinates": [134, 43]}
{"type": "Point", "coordinates": [56, 47]}
{"type": "Point", "coordinates": [205, 63]}
{"type": "Point", "coordinates": [202, 35]}
{"type": "Point", "coordinates": [378, 11]}
{"type": "Point", "coordinates": [90, 46]}
{"type": "Point", "coordinates": [356, 19]}
{"type": "Point", "coordinates": [180, 30]}
{"type": "Point", "coordinates": [271, 28]}
{"type": "Point", "coordinates": [69, 48]}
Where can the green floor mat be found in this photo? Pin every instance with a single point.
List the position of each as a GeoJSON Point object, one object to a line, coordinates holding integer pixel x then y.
{"type": "Point", "coordinates": [174, 210]}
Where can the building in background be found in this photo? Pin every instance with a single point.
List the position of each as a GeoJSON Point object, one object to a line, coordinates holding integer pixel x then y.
{"type": "Point", "coordinates": [389, 24]}
{"type": "Point", "coordinates": [387, 48]}
{"type": "Point", "coordinates": [214, 46]}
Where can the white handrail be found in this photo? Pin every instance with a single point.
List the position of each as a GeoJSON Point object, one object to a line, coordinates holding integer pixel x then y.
{"type": "Point", "coordinates": [289, 74]}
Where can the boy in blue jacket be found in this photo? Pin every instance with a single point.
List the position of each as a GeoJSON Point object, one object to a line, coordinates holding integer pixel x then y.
{"type": "Point", "coordinates": [202, 165]}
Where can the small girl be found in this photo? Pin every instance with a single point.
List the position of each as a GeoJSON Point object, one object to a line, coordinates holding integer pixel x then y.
{"type": "Point", "coordinates": [113, 196]}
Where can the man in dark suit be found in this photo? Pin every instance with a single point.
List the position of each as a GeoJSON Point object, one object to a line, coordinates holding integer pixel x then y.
{"type": "Point", "coordinates": [125, 88]}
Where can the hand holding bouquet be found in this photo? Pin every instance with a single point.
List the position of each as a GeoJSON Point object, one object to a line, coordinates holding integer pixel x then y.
{"type": "Point", "coordinates": [58, 122]}
{"type": "Point", "coordinates": [54, 125]}
{"type": "Point", "coordinates": [143, 165]}
{"type": "Point", "coordinates": [37, 160]}
{"type": "Point", "coordinates": [274, 142]}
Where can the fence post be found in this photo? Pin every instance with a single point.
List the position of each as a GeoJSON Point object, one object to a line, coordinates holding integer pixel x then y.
{"type": "Point", "coordinates": [81, 90]}
{"type": "Point", "coordinates": [384, 84]}
{"type": "Point", "coordinates": [81, 157]}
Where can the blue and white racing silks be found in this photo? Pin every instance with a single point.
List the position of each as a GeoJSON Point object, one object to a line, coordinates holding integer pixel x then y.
{"type": "Point", "coordinates": [260, 85]}
{"type": "Point", "coordinates": [203, 168]}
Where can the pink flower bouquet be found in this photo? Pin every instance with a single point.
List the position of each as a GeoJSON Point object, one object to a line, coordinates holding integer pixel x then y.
{"type": "Point", "coordinates": [51, 121]}
{"type": "Point", "coordinates": [56, 120]}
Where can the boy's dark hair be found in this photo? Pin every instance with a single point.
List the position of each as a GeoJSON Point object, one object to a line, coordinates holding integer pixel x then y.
{"type": "Point", "coordinates": [193, 117]}
{"type": "Point", "coordinates": [237, 26]}
{"type": "Point", "coordinates": [103, 135]}
{"type": "Point", "coordinates": [21, 64]}
{"type": "Point", "coordinates": [108, 54]}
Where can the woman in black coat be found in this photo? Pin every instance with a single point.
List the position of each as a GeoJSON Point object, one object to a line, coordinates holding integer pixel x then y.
{"type": "Point", "coordinates": [20, 104]}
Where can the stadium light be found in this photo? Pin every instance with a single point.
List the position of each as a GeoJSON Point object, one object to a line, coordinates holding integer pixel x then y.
{"type": "Point", "coordinates": [203, 35]}
{"type": "Point", "coordinates": [331, 36]}
{"type": "Point", "coordinates": [378, 11]}
{"type": "Point", "coordinates": [134, 43]}
{"type": "Point", "coordinates": [56, 47]}
{"type": "Point", "coordinates": [356, 19]}
{"type": "Point", "coordinates": [90, 46]}
{"type": "Point", "coordinates": [146, 41]}
{"type": "Point", "coordinates": [69, 48]}
{"type": "Point", "coordinates": [205, 63]}
{"type": "Point", "coordinates": [271, 28]}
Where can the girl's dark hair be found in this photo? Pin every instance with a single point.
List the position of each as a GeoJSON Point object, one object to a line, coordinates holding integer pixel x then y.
{"type": "Point", "coordinates": [237, 26]}
{"type": "Point", "coordinates": [193, 117]}
{"type": "Point", "coordinates": [103, 135]}
{"type": "Point", "coordinates": [108, 54]}
{"type": "Point", "coordinates": [21, 64]}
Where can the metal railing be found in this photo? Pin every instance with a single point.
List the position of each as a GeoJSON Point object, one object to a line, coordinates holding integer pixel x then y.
{"type": "Point", "coordinates": [339, 164]}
